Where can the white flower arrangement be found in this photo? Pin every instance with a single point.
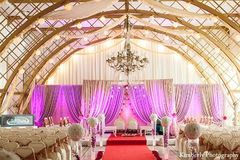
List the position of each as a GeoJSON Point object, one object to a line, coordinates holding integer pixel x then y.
{"type": "Point", "coordinates": [75, 132]}
{"type": "Point", "coordinates": [166, 121]}
{"type": "Point", "coordinates": [153, 117]}
{"type": "Point", "coordinates": [101, 117]}
{"type": "Point", "coordinates": [92, 122]}
{"type": "Point", "coordinates": [192, 131]}
{"type": "Point", "coordinates": [5, 155]}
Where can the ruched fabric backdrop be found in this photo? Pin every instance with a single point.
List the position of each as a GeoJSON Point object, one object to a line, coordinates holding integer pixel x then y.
{"type": "Point", "coordinates": [79, 102]}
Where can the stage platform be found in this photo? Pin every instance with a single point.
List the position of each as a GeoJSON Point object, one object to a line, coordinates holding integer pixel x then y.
{"type": "Point", "coordinates": [149, 140]}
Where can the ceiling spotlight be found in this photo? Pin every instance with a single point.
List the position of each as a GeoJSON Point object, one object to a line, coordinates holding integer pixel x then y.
{"type": "Point", "coordinates": [68, 7]}
{"type": "Point", "coordinates": [215, 19]}
{"type": "Point", "coordinates": [161, 48]}
{"type": "Point", "coordinates": [146, 33]}
{"type": "Point", "coordinates": [37, 77]}
{"type": "Point", "coordinates": [151, 18]}
{"type": "Point", "coordinates": [41, 21]}
{"type": "Point", "coordinates": [51, 61]}
{"type": "Point", "coordinates": [217, 50]}
{"type": "Point", "coordinates": [79, 25]}
{"type": "Point", "coordinates": [188, 6]}
{"type": "Point", "coordinates": [17, 39]}
{"type": "Point", "coordinates": [85, 38]}
{"type": "Point", "coordinates": [197, 35]}
{"type": "Point", "coordinates": [166, 38]}
{"type": "Point", "coordinates": [105, 33]}
{"type": "Point", "coordinates": [38, 52]}
{"type": "Point", "coordinates": [237, 37]}
{"type": "Point", "coordinates": [21, 71]}
{"type": "Point", "coordinates": [57, 37]}
{"type": "Point", "coordinates": [102, 18]}
{"type": "Point", "coordinates": [67, 48]}
{"type": "Point", "coordinates": [175, 24]}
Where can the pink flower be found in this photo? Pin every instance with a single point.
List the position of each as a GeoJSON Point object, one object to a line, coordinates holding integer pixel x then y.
{"type": "Point", "coordinates": [224, 118]}
{"type": "Point", "coordinates": [174, 114]}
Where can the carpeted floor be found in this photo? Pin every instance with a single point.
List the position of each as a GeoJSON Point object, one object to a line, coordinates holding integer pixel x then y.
{"type": "Point", "coordinates": [127, 148]}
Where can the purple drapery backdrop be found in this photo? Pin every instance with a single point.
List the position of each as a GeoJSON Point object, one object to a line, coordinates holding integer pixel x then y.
{"type": "Point", "coordinates": [37, 103]}
{"type": "Point", "coordinates": [73, 99]}
{"type": "Point", "coordinates": [183, 99]}
{"type": "Point", "coordinates": [49, 105]}
{"type": "Point", "coordinates": [213, 101]}
{"type": "Point", "coordinates": [160, 93]}
{"type": "Point", "coordinates": [114, 103]}
{"type": "Point", "coordinates": [46, 98]}
{"type": "Point", "coordinates": [141, 103]}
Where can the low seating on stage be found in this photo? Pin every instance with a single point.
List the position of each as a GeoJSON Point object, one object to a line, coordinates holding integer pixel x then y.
{"type": "Point", "coordinates": [112, 129]}
{"type": "Point", "coordinates": [145, 129]}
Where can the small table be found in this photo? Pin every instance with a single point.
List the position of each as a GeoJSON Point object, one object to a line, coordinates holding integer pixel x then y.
{"type": "Point", "coordinates": [145, 129]}
{"type": "Point", "coordinates": [111, 129]}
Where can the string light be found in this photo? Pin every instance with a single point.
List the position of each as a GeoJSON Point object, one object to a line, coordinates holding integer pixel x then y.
{"type": "Point", "coordinates": [51, 61]}
{"type": "Point", "coordinates": [102, 18]}
{"type": "Point", "coordinates": [41, 21]}
{"type": "Point", "coordinates": [37, 77]}
{"type": "Point", "coordinates": [105, 33]}
{"type": "Point", "coordinates": [67, 48]}
{"type": "Point", "coordinates": [79, 25]}
{"type": "Point", "coordinates": [237, 37]}
{"type": "Point", "coordinates": [161, 48]}
{"type": "Point", "coordinates": [197, 35]}
{"type": "Point", "coordinates": [38, 52]}
{"type": "Point", "coordinates": [21, 71]}
{"type": "Point", "coordinates": [68, 7]}
{"type": "Point", "coordinates": [57, 37]}
{"type": "Point", "coordinates": [175, 24]}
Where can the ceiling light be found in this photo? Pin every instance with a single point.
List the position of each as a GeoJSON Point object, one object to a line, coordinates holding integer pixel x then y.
{"type": "Point", "coordinates": [38, 52]}
{"type": "Point", "coordinates": [175, 24]}
{"type": "Point", "coordinates": [21, 71]}
{"type": "Point", "coordinates": [41, 21]}
{"type": "Point", "coordinates": [68, 7]}
{"type": "Point", "coordinates": [102, 18]}
{"type": "Point", "coordinates": [79, 25]}
{"type": "Point", "coordinates": [237, 37]}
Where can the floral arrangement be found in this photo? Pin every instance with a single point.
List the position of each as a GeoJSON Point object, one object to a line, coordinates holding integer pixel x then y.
{"type": "Point", "coordinates": [192, 131]}
{"type": "Point", "coordinates": [166, 121]}
{"type": "Point", "coordinates": [75, 132]}
{"type": "Point", "coordinates": [224, 118]}
{"type": "Point", "coordinates": [174, 115]}
{"type": "Point", "coordinates": [101, 117]}
{"type": "Point", "coordinates": [153, 117]}
{"type": "Point", "coordinates": [92, 122]}
{"type": "Point", "coordinates": [5, 155]}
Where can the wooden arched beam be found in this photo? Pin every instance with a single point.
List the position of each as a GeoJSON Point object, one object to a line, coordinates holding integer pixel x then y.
{"type": "Point", "coordinates": [30, 21]}
{"type": "Point", "coordinates": [215, 13]}
{"type": "Point", "coordinates": [166, 16]}
{"type": "Point", "coordinates": [199, 69]}
{"type": "Point", "coordinates": [37, 46]}
{"type": "Point", "coordinates": [200, 53]}
{"type": "Point", "coordinates": [54, 53]}
{"type": "Point", "coordinates": [172, 48]}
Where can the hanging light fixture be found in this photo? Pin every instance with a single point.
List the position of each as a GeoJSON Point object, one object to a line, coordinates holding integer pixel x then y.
{"type": "Point", "coordinates": [127, 61]}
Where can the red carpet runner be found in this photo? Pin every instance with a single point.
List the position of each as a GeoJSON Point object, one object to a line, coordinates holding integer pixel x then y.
{"type": "Point", "coordinates": [127, 148]}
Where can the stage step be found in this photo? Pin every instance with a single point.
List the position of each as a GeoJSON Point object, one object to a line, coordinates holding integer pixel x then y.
{"type": "Point", "coordinates": [126, 140]}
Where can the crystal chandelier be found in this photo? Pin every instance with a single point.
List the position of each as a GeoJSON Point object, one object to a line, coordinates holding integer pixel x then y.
{"type": "Point", "coordinates": [126, 60]}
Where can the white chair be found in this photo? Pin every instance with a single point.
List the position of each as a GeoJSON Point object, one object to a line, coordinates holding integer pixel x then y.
{"type": "Point", "coordinates": [132, 124]}
{"type": "Point", "coordinates": [11, 146]}
{"type": "Point", "coordinates": [120, 124]}
{"type": "Point", "coordinates": [39, 149]}
{"type": "Point", "coordinates": [23, 141]}
{"type": "Point", "coordinates": [26, 152]}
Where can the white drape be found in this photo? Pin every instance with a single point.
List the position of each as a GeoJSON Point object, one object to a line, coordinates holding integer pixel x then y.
{"type": "Point", "coordinates": [172, 10]}
{"type": "Point", "coordinates": [90, 64]}
{"type": "Point", "coordinates": [82, 10]}
{"type": "Point", "coordinates": [158, 27]}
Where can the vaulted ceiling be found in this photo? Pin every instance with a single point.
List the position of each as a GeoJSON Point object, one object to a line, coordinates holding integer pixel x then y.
{"type": "Point", "coordinates": [32, 45]}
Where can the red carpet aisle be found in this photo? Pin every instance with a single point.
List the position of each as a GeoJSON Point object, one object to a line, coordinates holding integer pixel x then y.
{"type": "Point", "coordinates": [127, 148]}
